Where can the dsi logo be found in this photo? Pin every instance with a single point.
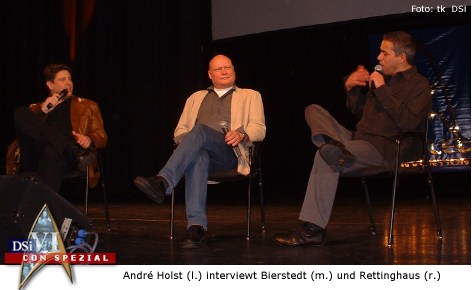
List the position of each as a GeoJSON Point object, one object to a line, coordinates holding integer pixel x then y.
{"type": "Point", "coordinates": [20, 246]}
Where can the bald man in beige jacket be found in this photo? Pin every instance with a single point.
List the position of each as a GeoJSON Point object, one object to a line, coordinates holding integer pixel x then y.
{"type": "Point", "coordinates": [204, 148]}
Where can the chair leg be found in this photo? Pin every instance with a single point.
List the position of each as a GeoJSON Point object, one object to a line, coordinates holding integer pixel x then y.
{"type": "Point", "coordinates": [369, 206]}
{"type": "Point", "coordinates": [248, 234]}
{"type": "Point", "coordinates": [260, 186]}
{"type": "Point", "coordinates": [392, 210]}
{"type": "Point", "coordinates": [86, 190]}
{"type": "Point", "coordinates": [433, 195]}
{"type": "Point", "coordinates": [171, 229]}
{"type": "Point", "coordinates": [104, 191]}
{"type": "Point", "coordinates": [435, 206]}
{"type": "Point", "coordinates": [394, 193]}
{"type": "Point", "coordinates": [105, 203]}
{"type": "Point", "coordinates": [261, 196]}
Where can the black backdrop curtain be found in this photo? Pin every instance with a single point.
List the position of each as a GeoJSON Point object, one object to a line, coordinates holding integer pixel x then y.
{"type": "Point", "coordinates": [138, 59]}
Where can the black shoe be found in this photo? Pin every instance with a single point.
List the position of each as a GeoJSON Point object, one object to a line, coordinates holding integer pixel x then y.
{"type": "Point", "coordinates": [334, 153]}
{"type": "Point", "coordinates": [195, 238]}
{"type": "Point", "coordinates": [154, 187]}
{"type": "Point", "coordinates": [84, 159]}
{"type": "Point", "coordinates": [303, 238]}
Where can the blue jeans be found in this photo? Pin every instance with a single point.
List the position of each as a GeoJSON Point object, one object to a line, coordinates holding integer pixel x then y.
{"type": "Point", "coordinates": [202, 151]}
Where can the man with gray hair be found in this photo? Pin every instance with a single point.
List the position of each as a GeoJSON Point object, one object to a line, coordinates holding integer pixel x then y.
{"type": "Point", "coordinates": [398, 101]}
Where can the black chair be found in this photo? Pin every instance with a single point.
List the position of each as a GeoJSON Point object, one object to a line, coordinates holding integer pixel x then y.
{"type": "Point", "coordinates": [77, 177]}
{"type": "Point", "coordinates": [73, 177]}
{"type": "Point", "coordinates": [424, 168]}
{"type": "Point", "coordinates": [233, 176]}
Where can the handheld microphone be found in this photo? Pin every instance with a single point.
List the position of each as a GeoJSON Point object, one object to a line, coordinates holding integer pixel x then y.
{"type": "Point", "coordinates": [224, 127]}
{"type": "Point", "coordinates": [379, 68]}
{"type": "Point", "coordinates": [62, 94]}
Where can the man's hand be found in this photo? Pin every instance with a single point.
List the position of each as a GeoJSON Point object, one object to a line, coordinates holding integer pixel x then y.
{"type": "Point", "coordinates": [377, 79]}
{"type": "Point", "coordinates": [83, 140]}
{"type": "Point", "coordinates": [233, 138]}
{"type": "Point", "coordinates": [360, 77]}
{"type": "Point", "coordinates": [53, 100]}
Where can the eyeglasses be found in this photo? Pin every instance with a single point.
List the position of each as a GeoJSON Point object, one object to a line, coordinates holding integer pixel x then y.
{"type": "Point", "coordinates": [225, 68]}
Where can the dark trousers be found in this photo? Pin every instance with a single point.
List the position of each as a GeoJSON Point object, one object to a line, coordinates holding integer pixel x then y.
{"type": "Point", "coordinates": [323, 180]}
{"type": "Point", "coordinates": [43, 150]}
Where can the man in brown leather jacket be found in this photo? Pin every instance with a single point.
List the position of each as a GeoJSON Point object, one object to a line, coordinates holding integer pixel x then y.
{"type": "Point", "coordinates": [59, 134]}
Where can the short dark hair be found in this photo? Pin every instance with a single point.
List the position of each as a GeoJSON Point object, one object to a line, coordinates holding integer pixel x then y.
{"type": "Point", "coordinates": [50, 71]}
{"type": "Point", "coordinates": [402, 43]}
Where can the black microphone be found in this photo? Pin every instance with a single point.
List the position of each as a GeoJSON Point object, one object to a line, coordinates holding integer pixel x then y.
{"type": "Point", "coordinates": [224, 127]}
{"type": "Point", "coordinates": [62, 94]}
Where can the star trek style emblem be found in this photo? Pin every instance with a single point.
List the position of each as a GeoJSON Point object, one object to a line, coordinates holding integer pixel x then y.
{"type": "Point", "coordinates": [45, 243]}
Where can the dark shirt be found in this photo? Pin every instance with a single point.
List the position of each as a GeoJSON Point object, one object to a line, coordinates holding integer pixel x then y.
{"type": "Point", "coordinates": [59, 119]}
{"type": "Point", "coordinates": [399, 106]}
{"type": "Point", "coordinates": [215, 109]}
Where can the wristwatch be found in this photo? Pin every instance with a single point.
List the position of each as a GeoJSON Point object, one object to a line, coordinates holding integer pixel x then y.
{"type": "Point", "coordinates": [244, 137]}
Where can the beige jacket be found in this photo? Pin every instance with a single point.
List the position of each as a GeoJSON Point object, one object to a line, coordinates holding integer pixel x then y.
{"type": "Point", "coordinates": [247, 115]}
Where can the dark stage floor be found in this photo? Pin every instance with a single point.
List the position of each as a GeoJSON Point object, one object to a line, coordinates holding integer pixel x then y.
{"type": "Point", "coordinates": [139, 231]}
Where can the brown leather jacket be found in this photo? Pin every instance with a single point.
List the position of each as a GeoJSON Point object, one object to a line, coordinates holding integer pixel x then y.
{"type": "Point", "coordinates": [86, 119]}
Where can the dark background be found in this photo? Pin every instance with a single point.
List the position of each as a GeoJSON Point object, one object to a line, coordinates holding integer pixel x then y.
{"type": "Point", "coordinates": [140, 60]}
